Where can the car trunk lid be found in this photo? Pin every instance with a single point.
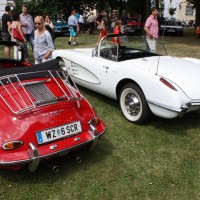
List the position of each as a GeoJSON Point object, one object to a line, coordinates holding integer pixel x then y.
{"type": "Point", "coordinates": [183, 72]}
{"type": "Point", "coordinates": [22, 96]}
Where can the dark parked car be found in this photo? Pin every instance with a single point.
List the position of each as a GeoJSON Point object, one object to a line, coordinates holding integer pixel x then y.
{"type": "Point", "coordinates": [134, 26]}
{"type": "Point", "coordinates": [171, 27]}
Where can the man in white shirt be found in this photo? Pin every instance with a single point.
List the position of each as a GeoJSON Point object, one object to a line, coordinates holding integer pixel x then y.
{"type": "Point", "coordinates": [27, 25]}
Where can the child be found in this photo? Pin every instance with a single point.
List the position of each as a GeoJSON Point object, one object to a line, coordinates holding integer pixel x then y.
{"type": "Point", "coordinates": [103, 30]}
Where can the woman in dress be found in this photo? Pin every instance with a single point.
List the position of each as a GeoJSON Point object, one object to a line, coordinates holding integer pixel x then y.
{"type": "Point", "coordinates": [43, 44]}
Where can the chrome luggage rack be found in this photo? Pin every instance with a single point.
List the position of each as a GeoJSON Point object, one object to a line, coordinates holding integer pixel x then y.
{"type": "Point", "coordinates": [36, 93]}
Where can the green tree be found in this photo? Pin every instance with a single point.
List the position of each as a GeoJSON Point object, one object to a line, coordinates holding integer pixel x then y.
{"type": "Point", "coordinates": [172, 11]}
{"type": "Point", "coordinates": [52, 7]}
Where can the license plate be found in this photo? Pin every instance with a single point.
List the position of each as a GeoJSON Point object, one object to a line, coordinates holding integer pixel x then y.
{"type": "Point", "coordinates": [58, 132]}
{"type": "Point", "coordinates": [171, 30]}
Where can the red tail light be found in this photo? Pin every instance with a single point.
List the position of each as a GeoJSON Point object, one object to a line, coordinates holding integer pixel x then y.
{"type": "Point", "coordinates": [168, 84]}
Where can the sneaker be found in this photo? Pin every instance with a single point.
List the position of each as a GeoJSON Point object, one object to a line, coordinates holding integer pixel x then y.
{"type": "Point", "coordinates": [69, 42]}
{"type": "Point", "coordinates": [74, 44]}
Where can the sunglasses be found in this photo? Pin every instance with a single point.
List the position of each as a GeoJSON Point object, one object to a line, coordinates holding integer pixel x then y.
{"type": "Point", "coordinates": [37, 23]}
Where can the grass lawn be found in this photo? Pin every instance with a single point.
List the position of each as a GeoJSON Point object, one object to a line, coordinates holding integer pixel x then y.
{"type": "Point", "coordinates": [159, 160]}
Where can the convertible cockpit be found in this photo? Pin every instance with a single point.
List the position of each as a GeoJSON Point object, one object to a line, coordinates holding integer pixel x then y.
{"type": "Point", "coordinates": [126, 50]}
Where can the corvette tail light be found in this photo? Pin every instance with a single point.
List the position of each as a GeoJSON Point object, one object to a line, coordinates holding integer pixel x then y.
{"type": "Point", "coordinates": [11, 145]}
{"type": "Point", "coordinates": [94, 121]}
{"type": "Point", "coordinates": [168, 84]}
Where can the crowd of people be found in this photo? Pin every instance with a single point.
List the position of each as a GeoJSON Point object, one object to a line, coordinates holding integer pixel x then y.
{"type": "Point", "coordinates": [22, 28]}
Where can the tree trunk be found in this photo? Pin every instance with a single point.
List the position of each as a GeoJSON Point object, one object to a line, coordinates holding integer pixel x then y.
{"type": "Point", "coordinates": [197, 6]}
{"type": "Point", "coordinates": [157, 4]}
{"type": "Point", "coordinates": [146, 6]}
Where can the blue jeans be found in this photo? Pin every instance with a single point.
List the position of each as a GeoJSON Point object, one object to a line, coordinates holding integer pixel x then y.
{"type": "Point", "coordinates": [30, 38]}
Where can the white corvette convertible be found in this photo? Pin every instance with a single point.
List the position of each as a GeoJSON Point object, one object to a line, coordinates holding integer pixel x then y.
{"type": "Point", "coordinates": [143, 82]}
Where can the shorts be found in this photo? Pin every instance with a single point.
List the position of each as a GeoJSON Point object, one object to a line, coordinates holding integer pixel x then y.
{"type": "Point", "coordinates": [72, 31]}
{"type": "Point", "coordinates": [6, 36]}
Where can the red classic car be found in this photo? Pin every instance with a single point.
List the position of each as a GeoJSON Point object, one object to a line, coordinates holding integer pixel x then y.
{"type": "Point", "coordinates": [134, 26]}
{"type": "Point", "coordinates": [43, 115]}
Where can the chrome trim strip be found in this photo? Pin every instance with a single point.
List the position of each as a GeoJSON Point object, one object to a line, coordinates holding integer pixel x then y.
{"type": "Point", "coordinates": [20, 162]}
{"type": "Point", "coordinates": [195, 103]}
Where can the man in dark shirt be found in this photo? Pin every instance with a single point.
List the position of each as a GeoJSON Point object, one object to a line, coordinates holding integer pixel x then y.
{"type": "Point", "coordinates": [6, 22]}
{"type": "Point", "coordinates": [99, 18]}
{"type": "Point", "coordinates": [124, 18]}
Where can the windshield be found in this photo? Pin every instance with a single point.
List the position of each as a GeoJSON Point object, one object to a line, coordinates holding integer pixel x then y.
{"type": "Point", "coordinates": [126, 48]}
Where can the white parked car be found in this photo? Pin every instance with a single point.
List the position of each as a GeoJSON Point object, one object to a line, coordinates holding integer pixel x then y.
{"type": "Point", "coordinates": [142, 81]}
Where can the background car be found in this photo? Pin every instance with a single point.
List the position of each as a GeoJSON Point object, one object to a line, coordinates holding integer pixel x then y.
{"type": "Point", "coordinates": [171, 27]}
{"type": "Point", "coordinates": [43, 116]}
{"type": "Point", "coordinates": [60, 28]}
{"type": "Point", "coordinates": [142, 81]}
{"type": "Point", "coordinates": [134, 26]}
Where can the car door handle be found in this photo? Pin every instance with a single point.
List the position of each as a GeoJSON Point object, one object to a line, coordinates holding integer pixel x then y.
{"type": "Point", "coordinates": [106, 67]}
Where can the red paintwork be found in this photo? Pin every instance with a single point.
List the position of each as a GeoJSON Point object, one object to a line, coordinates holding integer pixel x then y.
{"type": "Point", "coordinates": [133, 21]}
{"type": "Point", "coordinates": [197, 31]}
{"type": "Point", "coordinates": [5, 63]}
{"type": "Point", "coordinates": [23, 126]}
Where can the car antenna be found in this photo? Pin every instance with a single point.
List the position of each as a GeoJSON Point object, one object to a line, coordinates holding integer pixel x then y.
{"type": "Point", "coordinates": [163, 31]}
{"type": "Point", "coordinates": [163, 46]}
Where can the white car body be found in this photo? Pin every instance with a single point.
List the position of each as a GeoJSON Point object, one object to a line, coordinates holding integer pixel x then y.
{"type": "Point", "coordinates": [111, 77]}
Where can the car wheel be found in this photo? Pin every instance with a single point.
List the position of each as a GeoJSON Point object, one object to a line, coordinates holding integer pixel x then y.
{"type": "Point", "coordinates": [133, 104]}
{"type": "Point", "coordinates": [62, 65]}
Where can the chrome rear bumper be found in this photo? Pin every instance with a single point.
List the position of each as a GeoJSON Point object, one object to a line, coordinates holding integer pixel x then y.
{"type": "Point", "coordinates": [34, 158]}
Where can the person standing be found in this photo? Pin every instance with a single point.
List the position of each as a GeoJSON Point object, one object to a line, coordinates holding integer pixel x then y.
{"type": "Point", "coordinates": [16, 27]}
{"type": "Point", "coordinates": [49, 26]}
{"type": "Point", "coordinates": [6, 22]}
{"type": "Point", "coordinates": [113, 20]}
{"type": "Point", "coordinates": [81, 22]}
{"type": "Point", "coordinates": [117, 30]}
{"type": "Point", "coordinates": [124, 19]}
{"type": "Point", "coordinates": [152, 29]}
{"type": "Point", "coordinates": [43, 44]}
{"type": "Point", "coordinates": [91, 23]}
{"type": "Point", "coordinates": [73, 27]}
{"type": "Point", "coordinates": [103, 30]}
{"type": "Point", "coordinates": [27, 25]}
{"type": "Point", "coordinates": [99, 17]}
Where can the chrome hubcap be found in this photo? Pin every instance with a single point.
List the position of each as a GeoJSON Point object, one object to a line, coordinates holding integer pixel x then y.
{"type": "Point", "coordinates": [132, 104]}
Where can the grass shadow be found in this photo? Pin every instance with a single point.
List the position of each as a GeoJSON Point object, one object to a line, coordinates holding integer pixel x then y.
{"type": "Point", "coordinates": [66, 163]}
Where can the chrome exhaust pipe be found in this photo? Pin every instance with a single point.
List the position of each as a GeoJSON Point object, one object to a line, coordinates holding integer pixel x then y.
{"type": "Point", "coordinates": [54, 168]}
{"type": "Point", "coordinates": [78, 160]}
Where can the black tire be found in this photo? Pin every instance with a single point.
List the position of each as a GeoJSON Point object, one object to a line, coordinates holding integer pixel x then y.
{"type": "Point", "coordinates": [133, 104]}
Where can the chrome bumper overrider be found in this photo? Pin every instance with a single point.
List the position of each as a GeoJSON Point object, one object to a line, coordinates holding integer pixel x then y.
{"type": "Point", "coordinates": [34, 157]}
{"type": "Point", "coordinates": [182, 109]}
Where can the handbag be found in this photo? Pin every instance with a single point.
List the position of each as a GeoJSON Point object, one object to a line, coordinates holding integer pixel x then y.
{"type": "Point", "coordinates": [17, 35]}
